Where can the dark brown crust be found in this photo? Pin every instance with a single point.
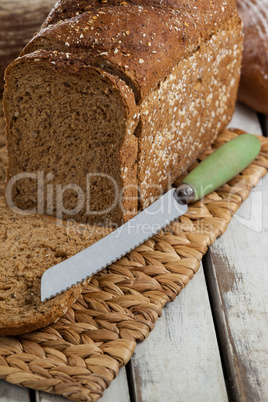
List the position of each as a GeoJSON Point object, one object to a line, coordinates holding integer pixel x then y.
{"type": "Point", "coordinates": [205, 12]}
{"type": "Point", "coordinates": [253, 89]}
{"type": "Point", "coordinates": [110, 34]}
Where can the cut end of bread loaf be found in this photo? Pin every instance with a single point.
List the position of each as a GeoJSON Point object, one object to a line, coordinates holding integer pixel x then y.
{"type": "Point", "coordinates": [67, 126]}
{"type": "Point", "coordinates": [28, 247]}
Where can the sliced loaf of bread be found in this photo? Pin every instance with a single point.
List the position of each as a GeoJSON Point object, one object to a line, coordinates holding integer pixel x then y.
{"type": "Point", "coordinates": [112, 100]}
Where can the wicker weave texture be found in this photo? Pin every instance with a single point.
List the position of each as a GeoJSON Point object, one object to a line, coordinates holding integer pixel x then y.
{"type": "Point", "coordinates": [80, 355]}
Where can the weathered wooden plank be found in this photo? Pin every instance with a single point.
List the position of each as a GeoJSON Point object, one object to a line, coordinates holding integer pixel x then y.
{"type": "Point", "coordinates": [117, 391]}
{"type": "Point", "coordinates": [238, 280]}
{"type": "Point", "coordinates": [9, 392]}
{"type": "Point", "coordinates": [237, 277]}
{"type": "Point", "coordinates": [44, 397]}
{"type": "Point", "coordinates": [180, 360]}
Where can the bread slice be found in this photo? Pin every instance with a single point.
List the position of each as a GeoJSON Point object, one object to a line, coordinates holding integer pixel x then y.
{"type": "Point", "coordinates": [28, 247]}
{"type": "Point", "coordinates": [135, 104]}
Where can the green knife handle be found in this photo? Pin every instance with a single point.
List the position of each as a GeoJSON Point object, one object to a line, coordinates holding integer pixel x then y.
{"type": "Point", "coordinates": [218, 168]}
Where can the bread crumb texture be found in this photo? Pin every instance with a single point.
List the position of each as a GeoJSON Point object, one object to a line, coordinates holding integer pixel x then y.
{"type": "Point", "coordinates": [28, 247]}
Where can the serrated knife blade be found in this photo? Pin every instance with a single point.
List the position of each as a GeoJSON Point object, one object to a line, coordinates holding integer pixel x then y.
{"type": "Point", "coordinates": [81, 266]}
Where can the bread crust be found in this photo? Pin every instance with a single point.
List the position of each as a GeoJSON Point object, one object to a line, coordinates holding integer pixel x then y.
{"type": "Point", "coordinates": [140, 49]}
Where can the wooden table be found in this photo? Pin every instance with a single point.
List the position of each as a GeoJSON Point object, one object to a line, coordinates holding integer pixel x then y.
{"type": "Point", "coordinates": [211, 343]}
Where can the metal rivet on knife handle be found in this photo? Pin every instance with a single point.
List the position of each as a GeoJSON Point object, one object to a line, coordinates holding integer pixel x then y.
{"type": "Point", "coordinates": [184, 194]}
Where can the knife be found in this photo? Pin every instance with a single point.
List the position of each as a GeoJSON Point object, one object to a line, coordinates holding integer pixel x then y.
{"type": "Point", "coordinates": [217, 169]}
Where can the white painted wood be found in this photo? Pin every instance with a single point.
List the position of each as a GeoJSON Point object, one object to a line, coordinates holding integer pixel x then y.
{"type": "Point", "coordinates": [180, 359]}
{"type": "Point", "coordinates": [117, 391]}
{"type": "Point", "coordinates": [239, 270]}
{"type": "Point", "coordinates": [44, 397]}
{"type": "Point", "coordinates": [9, 392]}
{"type": "Point", "coordinates": [246, 119]}
{"type": "Point", "coordinates": [238, 277]}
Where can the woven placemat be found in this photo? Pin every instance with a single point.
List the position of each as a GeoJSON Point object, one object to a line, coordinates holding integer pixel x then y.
{"type": "Point", "coordinates": [81, 354]}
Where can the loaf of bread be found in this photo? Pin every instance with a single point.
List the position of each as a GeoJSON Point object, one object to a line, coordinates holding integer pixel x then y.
{"type": "Point", "coordinates": [253, 90]}
{"type": "Point", "coordinates": [28, 247]}
{"type": "Point", "coordinates": [112, 100]}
